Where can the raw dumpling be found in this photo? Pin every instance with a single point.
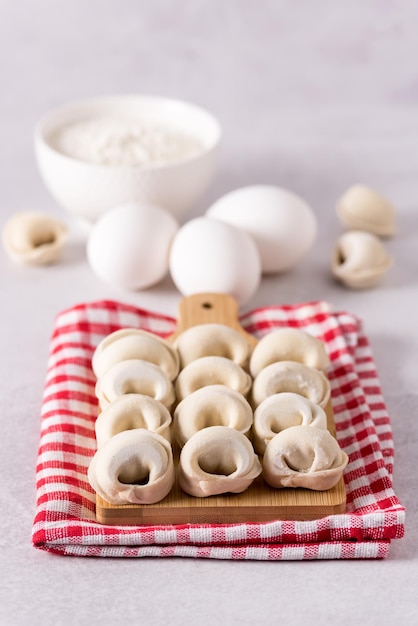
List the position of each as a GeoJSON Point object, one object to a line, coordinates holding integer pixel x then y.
{"type": "Point", "coordinates": [134, 466]}
{"type": "Point", "coordinates": [283, 410]}
{"type": "Point", "coordinates": [131, 411]}
{"type": "Point", "coordinates": [289, 344]}
{"type": "Point", "coordinates": [363, 208]}
{"type": "Point", "coordinates": [291, 376]}
{"type": "Point", "coordinates": [132, 343]}
{"type": "Point", "coordinates": [34, 238]}
{"type": "Point", "coordinates": [135, 376]}
{"type": "Point", "coordinates": [212, 370]}
{"type": "Point", "coordinates": [360, 260]}
{"type": "Point", "coordinates": [214, 405]}
{"type": "Point", "coordinates": [217, 460]}
{"type": "Point", "coordinates": [303, 456]}
{"type": "Point", "coordinates": [212, 340]}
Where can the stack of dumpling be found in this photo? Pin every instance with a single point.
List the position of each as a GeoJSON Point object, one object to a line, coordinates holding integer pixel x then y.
{"type": "Point", "coordinates": [289, 395]}
{"type": "Point", "coordinates": [213, 419]}
{"type": "Point", "coordinates": [134, 461]}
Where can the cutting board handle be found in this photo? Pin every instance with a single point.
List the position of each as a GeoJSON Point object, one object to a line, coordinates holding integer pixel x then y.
{"type": "Point", "coordinates": [210, 308]}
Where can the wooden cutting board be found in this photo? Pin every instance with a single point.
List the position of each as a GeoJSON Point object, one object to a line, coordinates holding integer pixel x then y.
{"type": "Point", "coordinates": [260, 502]}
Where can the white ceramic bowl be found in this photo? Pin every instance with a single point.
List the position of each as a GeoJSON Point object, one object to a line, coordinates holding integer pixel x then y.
{"type": "Point", "coordinates": [87, 189]}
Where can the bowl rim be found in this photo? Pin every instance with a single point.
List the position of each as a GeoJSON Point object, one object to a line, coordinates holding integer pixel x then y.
{"type": "Point", "coordinates": [40, 139]}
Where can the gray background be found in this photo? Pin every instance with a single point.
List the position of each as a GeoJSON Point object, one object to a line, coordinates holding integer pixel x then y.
{"type": "Point", "coordinates": [313, 96]}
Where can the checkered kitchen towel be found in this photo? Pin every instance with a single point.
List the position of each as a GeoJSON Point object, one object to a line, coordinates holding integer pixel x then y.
{"type": "Point", "coordinates": [65, 518]}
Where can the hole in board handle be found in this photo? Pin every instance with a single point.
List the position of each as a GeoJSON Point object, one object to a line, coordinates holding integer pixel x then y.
{"type": "Point", "coordinates": [207, 305]}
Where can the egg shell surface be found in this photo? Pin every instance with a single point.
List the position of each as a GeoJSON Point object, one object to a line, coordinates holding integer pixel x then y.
{"type": "Point", "coordinates": [281, 223]}
{"type": "Point", "coordinates": [208, 255]}
{"type": "Point", "coordinates": [129, 245]}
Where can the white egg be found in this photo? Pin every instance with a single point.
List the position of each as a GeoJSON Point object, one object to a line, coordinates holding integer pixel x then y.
{"type": "Point", "coordinates": [209, 255]}
{"type": "Point", "coordinates": [129, 245]}
{"type": "Point", "coordinates": [283, 225]}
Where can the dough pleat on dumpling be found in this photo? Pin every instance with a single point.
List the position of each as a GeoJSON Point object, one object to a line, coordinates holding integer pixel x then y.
{"type": "Point", "coordinates": [303, 456]}
{"type": "Point", "coordinates": [213, 405]}
{"type": "Point", "coordinates": [134, 466]}
{"type": "Point", "coordinates": [134, 343]}
{"type": "Point", "coordinates": [289, 344]}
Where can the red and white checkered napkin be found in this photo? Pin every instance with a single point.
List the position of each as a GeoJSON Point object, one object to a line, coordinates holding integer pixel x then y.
{"type": "Point", "coordinates": [65, 518]}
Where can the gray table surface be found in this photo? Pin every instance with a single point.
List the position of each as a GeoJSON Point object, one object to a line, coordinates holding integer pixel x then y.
{"type": "Point", "coordinates": [313, 96]}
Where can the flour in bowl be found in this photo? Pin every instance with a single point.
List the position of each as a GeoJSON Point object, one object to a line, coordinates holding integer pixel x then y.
{"type": "Point", "coordinates": [117, 142]}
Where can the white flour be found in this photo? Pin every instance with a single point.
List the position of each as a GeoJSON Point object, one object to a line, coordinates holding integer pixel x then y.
{"type": "Point", "coordinates": [116, 141]}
